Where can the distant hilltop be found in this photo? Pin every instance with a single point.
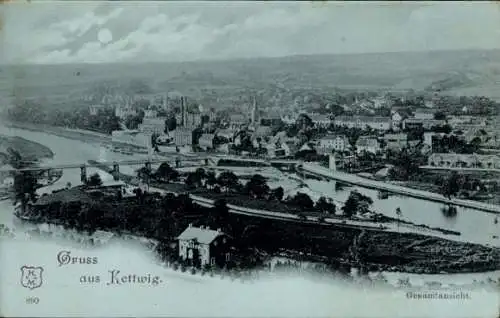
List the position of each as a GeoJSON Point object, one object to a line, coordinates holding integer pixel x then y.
{"type": "Point", "coordinates": [464, 72]}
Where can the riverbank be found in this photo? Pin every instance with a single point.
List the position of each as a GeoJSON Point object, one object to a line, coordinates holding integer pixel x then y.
{"type": "Point", "coordinates": [323, 172]}
{"type": "Point", "coordinates": [492, 198]}
{"type": "Point", "coordinates": [158, 217]}
{"type": "Point", "coordinates": [224, 297]}
{"type": "Point", "coordinates": [102, 139]}
{"type": "Point", "coordinates": [270, 207]}
{"type": "Point", "coordinates": [29, 150]}
{"type": "Point", "coordinates": [81, 135]}
{"type": "Point", "coordinates": [279, 265]}
{"type": "Point", "coordinates": [77, 134]}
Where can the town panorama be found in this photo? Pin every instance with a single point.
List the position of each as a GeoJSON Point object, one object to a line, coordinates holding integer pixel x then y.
{"type": "Point", "coordinates": [373, 171]}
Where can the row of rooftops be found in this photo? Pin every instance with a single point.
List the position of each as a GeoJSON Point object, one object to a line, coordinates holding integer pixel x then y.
{"type": "Point", "coordinates": [316, 117]}
{"type": "Point", "coordinates": [388, 135]}
{"type": "Point", "coordinates": [376, 119]}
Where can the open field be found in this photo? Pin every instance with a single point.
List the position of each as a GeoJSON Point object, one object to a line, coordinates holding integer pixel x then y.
{"type": "Point", "coordinates": [467, 72]}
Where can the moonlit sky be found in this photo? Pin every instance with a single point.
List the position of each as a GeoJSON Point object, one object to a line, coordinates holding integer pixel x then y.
{"type": "Point", "coordinates": [57, 32]}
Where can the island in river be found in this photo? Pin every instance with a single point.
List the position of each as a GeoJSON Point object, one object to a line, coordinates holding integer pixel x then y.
{"type": "Point", "coordinates": [164, 217]}
{"type": "Point", "coordinates": [28, 150]}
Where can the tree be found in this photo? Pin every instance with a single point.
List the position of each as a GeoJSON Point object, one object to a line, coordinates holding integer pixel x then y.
{"type": "Point", "coordinates": [211, 179]}
{"type": "Point", "coordinates": [302, 200]}
{"type": "Point", "coordinates": [399, 213]}
{"type": "Point", "coordinates": [144, 173]}
{"type": "Point", "coordinates": [451, 185]}
{"type": "Point", "coordinates": [94, 180]}
{"type": "Point", "coordinates": [133, 122]}
{"type": "Point", "coordinates": [185, 204]}
{"type": "Point", "coordinates": [416, 133]}
{"type": "Point", "coordinates": [325, 205]}
{"type": "Point", "coordinates": [193, 180]}
{"type": "Point", "coordinates": [440, 116]}
{"type": "Point", "coordinates": [167, 173]}
{"type": "Point", "coordinates": [25, 185]}
{"type": "Point", "coordinates": [476, 142]}
{"type": "Point", "coordinates": [304, 121]}
{"type": "Point", "coordinates": [170, 123]}
{"type": "Point", "coordinates": [257, 186]}
{"type": "Point", "coordinates": [306, 154]}
{"type": "Point", "coordinates": [406, 164]}
{"type": "Point", "coordinates": [139, 194]}
{"type": "Point", "coordinates": [278, 193]}
{"type": "Point", "coordinates": [154, 140]}
{"type": "Point", "coordinates": [200, 172]}
{"type": "Point", "coordinates": [196, 135]}
{"type": "Point", "coordinates": [110, 124]}
{"type": "Point", "coordinates": [219, 213]}
{"type": "Point", "coordinates": [442, 129]}
{"type": "Point", "coordinates": [356, 203]}
{"type": "Point", "coordinates": [228, 180]}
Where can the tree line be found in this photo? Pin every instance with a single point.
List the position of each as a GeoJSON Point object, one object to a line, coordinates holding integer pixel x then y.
{"type": "Point", "coordinates": [256, 188]}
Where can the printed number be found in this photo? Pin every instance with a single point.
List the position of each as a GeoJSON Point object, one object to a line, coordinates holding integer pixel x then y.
{"type": "Point", "coordinates": [32, 300]}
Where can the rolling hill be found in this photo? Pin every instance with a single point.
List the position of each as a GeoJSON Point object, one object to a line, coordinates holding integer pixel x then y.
{"type": "Point", "coordinates": [451, 72]}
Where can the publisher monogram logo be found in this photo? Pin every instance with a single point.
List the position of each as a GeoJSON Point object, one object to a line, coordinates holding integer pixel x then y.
{"type": "Point", "coordinates": [31, 277]}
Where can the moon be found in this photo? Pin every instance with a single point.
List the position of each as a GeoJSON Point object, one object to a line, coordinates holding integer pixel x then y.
{"type": "Point", "coordinates": [104, 36]}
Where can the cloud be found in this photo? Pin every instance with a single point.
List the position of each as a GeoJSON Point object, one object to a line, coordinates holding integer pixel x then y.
{"type": "Point", "coordinates": [177, 31]}
{"type": "Point", "coordinates": [80, 25]}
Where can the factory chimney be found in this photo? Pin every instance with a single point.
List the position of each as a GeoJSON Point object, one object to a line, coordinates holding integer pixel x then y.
{"type": "Point", "coordinates": [184, 111]}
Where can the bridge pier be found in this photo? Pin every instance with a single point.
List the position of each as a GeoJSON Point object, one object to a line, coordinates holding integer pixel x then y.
{"type": "Point", "coordinates": [332, 164]}
{"type": "Point", "coordinates": [116, 171]}
{"type": "Point", "coordinates": [148, 165]}
{"type": "Point", "coordinates": [46, 173]}
{"type": "Point", "coordinates": [83, 174]}
{"type": "Point", "coordinates": [177, 162]}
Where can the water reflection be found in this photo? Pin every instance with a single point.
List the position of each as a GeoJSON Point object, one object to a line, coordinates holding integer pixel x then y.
{"type": "Point", "coordinates": [476, 226]}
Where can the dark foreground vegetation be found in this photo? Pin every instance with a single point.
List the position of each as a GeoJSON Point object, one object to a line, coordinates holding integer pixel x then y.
{"type": "Point", "coordinates": [93, 207]}
{"type": "Point", "coordinates": [164, 217]}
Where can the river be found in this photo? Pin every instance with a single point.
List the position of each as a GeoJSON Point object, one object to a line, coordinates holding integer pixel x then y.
{"type": "Point", "coordinates": [475, 226]}
{"type": "Point", "coordinates": [183, 295]}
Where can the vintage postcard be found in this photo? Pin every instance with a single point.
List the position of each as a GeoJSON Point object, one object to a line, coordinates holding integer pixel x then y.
{"type": "Point", "coordinates": [249, 159]}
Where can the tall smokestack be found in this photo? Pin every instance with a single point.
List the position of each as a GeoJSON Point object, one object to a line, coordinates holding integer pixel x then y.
{"type": "Point", "coordinates": [254, 111]}
{"type": "Point", "coordinates": [184, 111]}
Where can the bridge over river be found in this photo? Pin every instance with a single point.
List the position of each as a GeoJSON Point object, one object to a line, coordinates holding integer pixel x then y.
{"type": "Point", "coordinates": [176, 159]}
{"type": "Point", "coordinates": [310, 168]}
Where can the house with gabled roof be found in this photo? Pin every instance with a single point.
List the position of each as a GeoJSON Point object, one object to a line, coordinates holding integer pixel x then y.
{"type": "Point", "coordinates": [367, 144]}
{"type": "Point", "coordinates": [201, 246]}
